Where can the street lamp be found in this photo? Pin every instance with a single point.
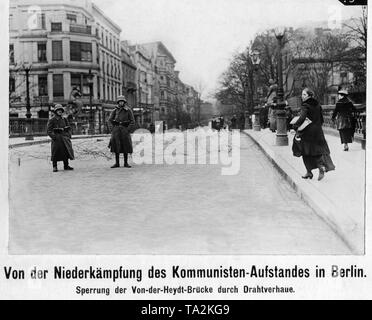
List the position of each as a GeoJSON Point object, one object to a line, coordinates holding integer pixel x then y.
{"type": "Point", "coordinates": [90, 82]}
{"type": "Point", "coordinates": [27, 68]}
{"type": "Point", "coordinates": [256, 60]}
{"type": "Point", "coordinates": [281, 121]}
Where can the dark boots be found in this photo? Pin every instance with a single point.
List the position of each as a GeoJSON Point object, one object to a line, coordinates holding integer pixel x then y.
{"type": "Point", "coordinates": [117, 162]}
{"type": "Point", "coordinates": [65, 165]}
{"type": "Point", "coordinates": [126, 165]}
{"type": "Point", "coordinates": [116, 165]}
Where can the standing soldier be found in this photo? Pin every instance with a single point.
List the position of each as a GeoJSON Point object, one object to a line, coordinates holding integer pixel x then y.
{"type": "Point", "coordinates": [122, 120]}
{"type": "Point", "coordinates": [59, 130]}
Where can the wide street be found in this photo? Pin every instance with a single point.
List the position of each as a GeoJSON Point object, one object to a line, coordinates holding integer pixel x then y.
{"type": "Point", "coordinates": [157, 209]}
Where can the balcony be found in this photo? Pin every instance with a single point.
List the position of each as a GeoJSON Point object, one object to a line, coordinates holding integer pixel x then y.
{"type": "Point", "coordinates": [80, 29]}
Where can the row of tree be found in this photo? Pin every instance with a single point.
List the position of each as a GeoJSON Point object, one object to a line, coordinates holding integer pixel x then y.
{"type": "Point", "coordinates": [308, 59]}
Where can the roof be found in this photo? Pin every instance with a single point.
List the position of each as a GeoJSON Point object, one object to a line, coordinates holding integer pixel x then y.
{"type": "Point", "coordinates": [157, 46]}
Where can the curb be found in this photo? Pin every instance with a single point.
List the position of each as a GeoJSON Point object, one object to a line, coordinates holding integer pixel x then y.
{"type": "Point", "coordinates": [31, 143]}
{"type": "Point", "coordinates": [318, 210]}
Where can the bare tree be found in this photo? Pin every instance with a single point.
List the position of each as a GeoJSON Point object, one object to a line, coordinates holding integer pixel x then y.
{"type": "Point", "coordinates": [237, 83]}
{"type": "Point", "coordinates": [358, 30]}
{"type": "Point", "coordinates": [316, 58]}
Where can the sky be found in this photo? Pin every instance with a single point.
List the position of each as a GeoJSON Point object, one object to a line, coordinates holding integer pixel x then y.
{"type": "Point", "coordinates": [203, 35]}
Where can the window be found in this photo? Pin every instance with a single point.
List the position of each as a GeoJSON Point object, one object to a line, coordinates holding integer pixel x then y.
{"type": "Point", "coordinates": [56, 26]}
{"type": "Point", "coordinates": [41, 52]}
{"type": "Point", "coordinates": [343, 76]}
{"type": "Point", "coordinates": [11, 84]}
{"type": "Point", "coordinates": [57, 85]}
{"type": "Point", "coordinates": [43, 85]}
{"type": "Point", "coordinates": [41, 20]}
{"type": "Point", "coordinates": [80, 81]}
{"type": "Point", "coordinates": [333, 100]}
{"type": "Point", "coordinates": [80, 51]}
{"type": "Point", "coordinates": [11, 53]}
{"type": "Point", "coordinates": [71, 18]}
{"type": "Point", "coordinates": [76, 81]}
{"type": "Point", "coordinates": [57, 51]}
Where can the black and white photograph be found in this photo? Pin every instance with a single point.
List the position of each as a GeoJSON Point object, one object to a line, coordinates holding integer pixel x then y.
{"type": "Point", "coordinates": [191, 128]}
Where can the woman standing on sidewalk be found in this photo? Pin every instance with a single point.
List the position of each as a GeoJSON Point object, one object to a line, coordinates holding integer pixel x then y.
{"type": "Point", "coordinates": [59, 130]}
{"type": "Point", "coordinates": [122, 120]}
{"type": "Point", "coordinates": [314, 147]}
{"type": "Point", "coordinates": [345, 120]}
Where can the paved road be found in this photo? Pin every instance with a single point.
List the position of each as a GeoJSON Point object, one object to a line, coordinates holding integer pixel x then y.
{"type": "Point", "coordinates": [158, 209]}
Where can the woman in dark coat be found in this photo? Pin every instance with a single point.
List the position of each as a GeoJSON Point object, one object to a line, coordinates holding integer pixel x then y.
{"type": "Point", "coordinates": [59, 130]}
{"type": "Point", "coordinates": [314, 147]}
{"type": "Point", "coordinates": [345, 120]}
{"type": "Point", "coordinates": [122, 120]}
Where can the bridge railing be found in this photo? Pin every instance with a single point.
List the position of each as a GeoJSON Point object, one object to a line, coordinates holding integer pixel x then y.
{"type": "Point", "coordinates": [18, 127]}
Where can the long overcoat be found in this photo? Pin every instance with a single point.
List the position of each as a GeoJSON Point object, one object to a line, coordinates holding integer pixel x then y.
{"type": "Point", "coordinates": [59, 130]}
{"type": "Point", "coordinates": [313, 142]}
{"type": "Point", "coordinates": [122, 121]}
{"type": "Point", "coordinates": [343, 114]}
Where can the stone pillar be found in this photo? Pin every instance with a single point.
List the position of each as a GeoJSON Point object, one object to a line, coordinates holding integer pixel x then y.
{"type": "Point", "coordinates": [66, 49]}
{"type": "Point", "coordinates": [66, 85]}
{"type": "Point", "coordinates": [281, 130]}
{"type": "Point", "coordinates": [50, 86]}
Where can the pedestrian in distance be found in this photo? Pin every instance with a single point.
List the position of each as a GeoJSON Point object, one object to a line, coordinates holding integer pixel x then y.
{"type": "Point", "coordinates": [271, 100]}
{"type": "Point", "coordinates": [264, 116]}
{"type": "Point", "coordinates": [242, 121]}
{"type": "Point", "coordinates": [122, 121]}
{"type": "Point", "coordinates": [233, 122]}
{"type": "Point", "coordinates": [222, 123]}
{"type": "Point", "coordinates": [314, 148]}
{"type": "Point", "coordinates": [345, 120]}
{"type": "Point", "coordinates": [59, 130]}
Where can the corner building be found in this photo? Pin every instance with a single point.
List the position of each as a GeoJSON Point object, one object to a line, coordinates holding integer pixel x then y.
{"type": "Point", "coordinates": [68, 44]}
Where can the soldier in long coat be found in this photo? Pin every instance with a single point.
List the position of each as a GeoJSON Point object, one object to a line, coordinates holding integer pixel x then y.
{"type": "Point", "coordinates": [314, 147]}
{"type": "Point", "coordinates": [59, 130]}
{"type": "Point", "coordinates": [345, 120]}
{"type": "Point", "coordinates": [122, 121]}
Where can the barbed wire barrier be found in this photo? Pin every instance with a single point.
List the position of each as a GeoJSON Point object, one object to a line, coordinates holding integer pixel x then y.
{"type": "Point", "coordinates": [98, 149]}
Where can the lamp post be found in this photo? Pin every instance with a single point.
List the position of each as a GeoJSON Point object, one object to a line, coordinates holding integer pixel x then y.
{"type": "Point", "coordinates": [91, 119]}
{"type": "Point", "coordinates": [27, 68]}
{"type": "Point", "coordinates": [255, 58]}
{"type": "Point", "coordinates": [281, 121]}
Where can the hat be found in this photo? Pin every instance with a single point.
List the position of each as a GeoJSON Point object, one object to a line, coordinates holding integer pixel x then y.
{"type": "Point", "coordinates": [121, 98]}
{"type": "Point", "coordinates": [58, 107]}
{"type": "Point", "coordinates": [343, 91]}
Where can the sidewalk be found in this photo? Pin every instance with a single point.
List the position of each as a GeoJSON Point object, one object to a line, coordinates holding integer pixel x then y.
{"type": "Point", "coordinates": [21, 142]}
{"type": "Point", "coordinates": [339, 198]}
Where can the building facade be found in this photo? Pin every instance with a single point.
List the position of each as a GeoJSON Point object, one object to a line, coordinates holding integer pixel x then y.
{"type": "Point", "coordinates": [129, 70]}
{"type": "Point", "coordinates": [144, 110]}
{"type": "Point", "coordinates": [166, 81]}
{"type": "Point", "coordinates": [68, 46]}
